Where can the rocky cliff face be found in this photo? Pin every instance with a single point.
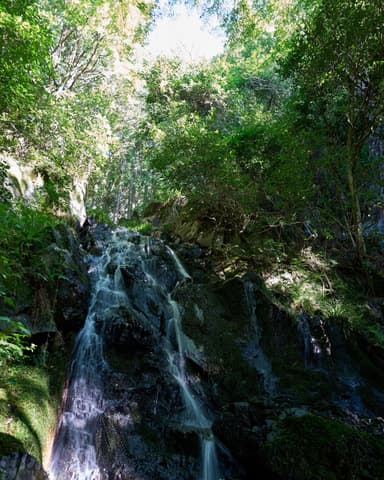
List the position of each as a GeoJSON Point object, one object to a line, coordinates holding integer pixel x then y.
{"type": "Point", "coordinates": [57, 299]}
{"type": "Point", "coordinates": [282, 380]}
{"type": "Point", "coordinates": [270, 379]}
{"type": "Point", "coordinates": [26, 182]}
{"type": "Point", "coordinates": [289, 395]}
{"type": "Point", "coordinates": [271, 374]}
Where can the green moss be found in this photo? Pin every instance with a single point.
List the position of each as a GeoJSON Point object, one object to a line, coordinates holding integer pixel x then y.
{"type": "Point", "coordinates": [140, 226]}
{"type": "Point", "coordinates": [304, 385]}
{"type": "Point", "coordinates": [30, 396]}
{"type": "Point", "coordinates": [25, 410]}
{"type": "Point", "coordinates": [315, 448]}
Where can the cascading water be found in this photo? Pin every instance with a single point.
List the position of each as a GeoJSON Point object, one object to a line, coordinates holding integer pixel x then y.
{"type": "Point", "coordinates": [254, 352]}
{"type": "Point", "coordinates": [315, 354]}
{"type": "Point", "coordinates": [194, 413]}
{"type": "Point", "coordinates": [324, 350]}
{"type": "Point", "coordinates": [75, 454]}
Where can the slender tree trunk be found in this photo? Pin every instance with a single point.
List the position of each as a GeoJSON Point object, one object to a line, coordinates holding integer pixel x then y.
{"type": "Point", "coordinates": [119, 192]}
{"type": "Point", "coordinates": [132, 189]}
{"type": "Point", "coordinates": [357, 226]}
{"type": "Point", "coordinates": [117, 207]}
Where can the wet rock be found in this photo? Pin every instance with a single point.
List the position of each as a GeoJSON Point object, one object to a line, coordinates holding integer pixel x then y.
{"type": "Point", "coordinates": [72, 287]}
{"type": "Point", "coordinates": [316, 347]}
{"type": "Point", "coordinates": [21, 466]}
{"type": "Point", "coordinates": [130, 445]}
{"type": "Point", "coordinates": [182, 439]}
{"type": "Point", "coordinates": [125, 330]}
{"type": "Point", "coordinates": [63, 297]}
{"type": "Point", "coordinates": [193, 251]}
{"type": "Point", "coordinates": [92, 236]}
{"type": "Point", "coordinates": [374, 352]}
{"type": "Point", "coordinates": [239, 433]}
{"type": "Point", "coordinates": [232, 297]}
{"type": "Point", "coordinates": [10, 444]}
{"type": "Point", "coordinates": [128, 277]}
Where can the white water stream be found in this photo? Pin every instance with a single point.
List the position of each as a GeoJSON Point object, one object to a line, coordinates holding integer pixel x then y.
{"type": "Point", "coordinates": [74, 455]}
{"type": "Point", "coordinates": [195, 417]}
{"type": "Point", "coordinates": [256, 354]}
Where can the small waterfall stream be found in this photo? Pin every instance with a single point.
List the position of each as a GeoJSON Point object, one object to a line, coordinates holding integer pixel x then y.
{"type": "Point", "coordinates": [194, 412]}
{"type": "Point", "coordinates": [254, 352]}
{"type": "Point", "coordinates": [325, 351]}
{"type": "Point", "coordinates": [75, 454]}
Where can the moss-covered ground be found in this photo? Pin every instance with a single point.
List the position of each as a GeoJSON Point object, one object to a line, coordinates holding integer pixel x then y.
{"type": "Point", "coordinates": [311, 447]}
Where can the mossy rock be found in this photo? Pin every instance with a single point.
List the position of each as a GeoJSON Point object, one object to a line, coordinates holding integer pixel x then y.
{"type": "Point", "coordinates": [30, 396]}
{"type": "Point", "coordinates": [316, 448]}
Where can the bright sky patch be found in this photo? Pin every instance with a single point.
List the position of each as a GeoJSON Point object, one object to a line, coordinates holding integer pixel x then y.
{"type": "Point", "coordinates": [184, 34]}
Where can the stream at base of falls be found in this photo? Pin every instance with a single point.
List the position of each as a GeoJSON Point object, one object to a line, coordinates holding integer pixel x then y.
{"type": "Point", "coordinates": [104, 432]}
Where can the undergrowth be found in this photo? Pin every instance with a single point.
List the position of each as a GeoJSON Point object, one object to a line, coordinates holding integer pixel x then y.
{"type": "Point", "coordinates": [311, 283]}
{"type": "Point", "coordinates": [137, 225]}
{"type": "Point", "coordinates": [24, 232]}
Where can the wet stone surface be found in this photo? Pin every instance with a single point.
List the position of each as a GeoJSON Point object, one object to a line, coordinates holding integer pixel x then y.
{"type": "Point", "coordinates": [21, 466]}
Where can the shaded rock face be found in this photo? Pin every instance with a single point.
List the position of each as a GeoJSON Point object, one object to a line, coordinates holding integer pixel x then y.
{"type": "Point", "coordinates": [25, 182]}
{"type": "Point", "coordinates": [135, 404]}
{"type": "Point", "coordinates": [73, 287]}
{"type": "Point", "coordinates": [200, 222]}
{"type": "Point", "coordinates": [262, 366]}
{"type": "Point", "coordinates": [57, 299]}
{"type": "Point", "coordinates": [21, 466]}
{"type": "Point", "coordinates": [249, 366]}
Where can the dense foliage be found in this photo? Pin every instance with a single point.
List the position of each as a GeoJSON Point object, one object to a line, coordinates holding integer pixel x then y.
{"type": "Point", "coordinates": [284, 120]}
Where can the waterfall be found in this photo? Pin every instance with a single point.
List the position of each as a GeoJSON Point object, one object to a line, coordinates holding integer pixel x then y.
{"type": "Point", "coordinates": [74, 453]}
{"type": "Point", "coordinates": [254, 352]}
{"type": "Point", "coordinates": [157, 272]}
{"type": "Point", "coordinates": [324, 350]}
{"type": "Point", "coordinates": [179, 265]}
{"type": "Point", "coordinates": [194, 412]}
{"type": "Point", "coordinates": [315, 354]}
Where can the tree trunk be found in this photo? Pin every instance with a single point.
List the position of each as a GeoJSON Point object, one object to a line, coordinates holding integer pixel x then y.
{"type": "Point", "coordinates": [356, 226]}
{"type": "Point", "coordinates": [117, 207]}
{"type": "Point", "coordinates": [119, 192]}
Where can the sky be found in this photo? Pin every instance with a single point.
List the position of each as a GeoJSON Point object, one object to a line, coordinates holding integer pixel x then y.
{"type": "Point", "coordinates": [181, 32]}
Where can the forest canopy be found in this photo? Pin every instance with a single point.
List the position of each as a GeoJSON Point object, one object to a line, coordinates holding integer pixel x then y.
{"type": "Point", "coordinates": [287, 120]}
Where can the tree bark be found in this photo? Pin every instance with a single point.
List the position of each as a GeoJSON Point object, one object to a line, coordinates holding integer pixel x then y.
{"type": "Point", "coordinates": [356, 226]}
